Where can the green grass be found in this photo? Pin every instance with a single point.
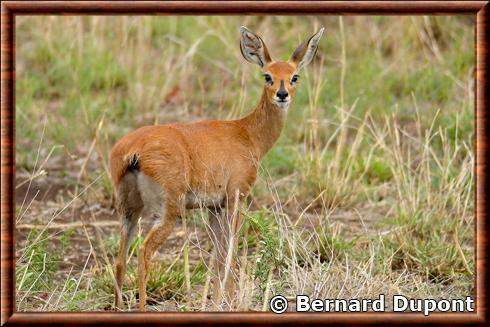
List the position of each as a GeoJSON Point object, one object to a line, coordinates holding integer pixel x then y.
{"type": "Point", "coordinates": [37, 268]}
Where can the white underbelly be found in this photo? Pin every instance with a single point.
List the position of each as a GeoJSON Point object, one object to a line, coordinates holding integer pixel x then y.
{"type": "Point", "coordinates": [202, 199]}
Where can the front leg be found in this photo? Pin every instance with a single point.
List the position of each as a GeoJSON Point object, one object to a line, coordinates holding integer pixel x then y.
{"type": "Point", "coordinates": [225, 229]}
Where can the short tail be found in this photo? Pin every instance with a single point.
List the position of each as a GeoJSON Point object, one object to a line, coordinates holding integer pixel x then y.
{"type": "Point", "coordinates": [134, 162]}
{"type": "Point", "coordinates": [121, 163]}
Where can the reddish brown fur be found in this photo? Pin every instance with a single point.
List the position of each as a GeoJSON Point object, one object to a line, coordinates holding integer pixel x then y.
{"type": "Point", "coordinates": [188, 157]}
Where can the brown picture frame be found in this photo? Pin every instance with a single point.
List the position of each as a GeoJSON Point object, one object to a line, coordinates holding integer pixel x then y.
{"type": "Point", "coordinates": [11, 9]}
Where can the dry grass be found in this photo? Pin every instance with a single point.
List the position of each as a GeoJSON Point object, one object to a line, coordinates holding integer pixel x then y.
{"type": "Point", "coordinates": [368, 191]}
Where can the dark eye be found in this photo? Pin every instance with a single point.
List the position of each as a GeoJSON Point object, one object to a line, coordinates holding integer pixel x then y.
{"type": "Point", "coordinates": [294, 79]}
{"type": "Point", "coordinates": [268, 79]}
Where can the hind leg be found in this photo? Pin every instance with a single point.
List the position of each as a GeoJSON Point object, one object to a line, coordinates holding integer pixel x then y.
{"type": "Point", "coordinates": [153, 240]}
{"type": "Point", "coordinates": [128, 233]}
{"type": "Point", "coordinates": [129, 205]}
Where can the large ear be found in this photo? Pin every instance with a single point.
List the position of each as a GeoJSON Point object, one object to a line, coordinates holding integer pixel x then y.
{"type": "Point", "coordinates": [253, 48]}
{"type": "Point", "coordinates": [306, 51]}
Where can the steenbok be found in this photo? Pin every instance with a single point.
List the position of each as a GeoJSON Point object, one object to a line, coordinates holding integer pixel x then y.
{"type": "Point", "coordinates": [158, 171]}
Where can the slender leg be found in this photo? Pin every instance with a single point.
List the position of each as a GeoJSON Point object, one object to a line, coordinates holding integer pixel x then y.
{"type": "Point", "coordinates": [129, 206]}
{"type": "Point", "coordinates": [155, 237]}
{"type": "Point", "coordinates": [128, 232]}
{"type": "Point", "coordinates": [218, 227]}
{"type": "Point", "coordinates": [225, 228]}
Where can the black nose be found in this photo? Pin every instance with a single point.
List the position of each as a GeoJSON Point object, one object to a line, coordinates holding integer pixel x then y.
{"type": "Point", "coordinates": [282, 94]}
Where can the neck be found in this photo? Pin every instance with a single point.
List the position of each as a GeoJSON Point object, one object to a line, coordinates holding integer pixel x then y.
{"type": "Point", "coordinates": [264, 124]}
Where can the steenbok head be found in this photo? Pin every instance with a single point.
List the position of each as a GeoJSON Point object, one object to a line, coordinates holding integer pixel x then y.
{"type": "Point", "coordinates": [280, 77]}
